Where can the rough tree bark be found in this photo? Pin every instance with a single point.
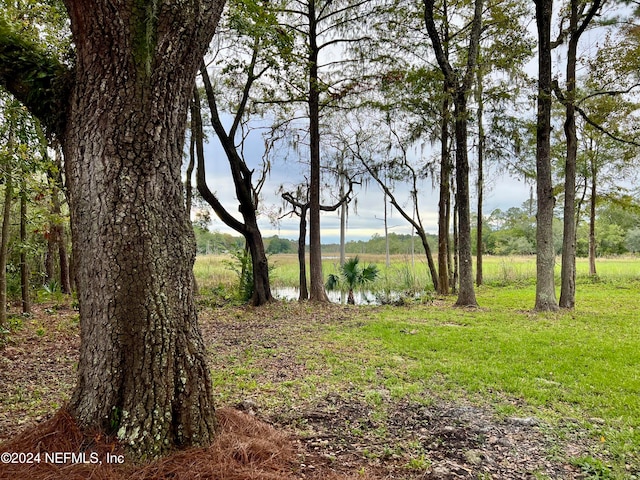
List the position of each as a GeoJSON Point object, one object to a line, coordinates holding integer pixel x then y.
{"type": "Point", "coordinates": [545, 254]}
{"type": "Point", "coordinates": [133, 248]}
{"type": "Point", "coordinates": [142, 372]}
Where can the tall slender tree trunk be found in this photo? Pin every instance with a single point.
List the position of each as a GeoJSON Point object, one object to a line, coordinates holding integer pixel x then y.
{"type": "Point", "coordinates": [4, 242]}
{"type": "Point", "coordinates": [317, 292]}
{"type": "Point", "coordinates": [58, 238]}
{"type": "Point", "coordinates": [592, 221]}
{"type": "Point", "coordinates": [568, 275]}
{"type": "Point", "coordinates": [49, 258]}
{"type": "Point", "coordinates": [458, 84]}
{"type": "Point", "coordinates": [343, 214]}
{"type": "Point", "coordinates": [133, 246]}
{"type": "Point", "coordinates": [480, 182]}
{"type": "Point", "coordinates": [456, 241]}
{"type": "Point", "coordinates": [452, 259]}
{"type": "Point", "coordinates": [568, 271]}
{"type": "Point", "coordinates": [545, 254]}
{"type": "Point", "coordinates": [304, 291]}
{"type": "Point", "coordinates": [466, 292]}
{"type": "Point", "coordinates": [24, 265]}
{"type": "Point", "coordinates": [444, 203]}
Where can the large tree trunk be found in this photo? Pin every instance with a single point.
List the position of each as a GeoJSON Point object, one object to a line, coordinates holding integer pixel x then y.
{"type": "Point", "coordinates": [545, 254]}
{"type": "Point", "coordinates": [142, 372]}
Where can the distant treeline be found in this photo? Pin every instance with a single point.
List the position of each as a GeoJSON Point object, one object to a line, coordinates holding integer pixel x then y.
{"type": "Point", "coordinates": [510, 232]}
{"type": "Point", "coordinates": [399, 244]}
{"type": "Point", "coordinates": [212, 243]}
{"type": "Point", "coordinates": [216, 243]}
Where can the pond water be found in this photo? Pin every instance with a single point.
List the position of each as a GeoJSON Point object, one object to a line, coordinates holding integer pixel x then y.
{"type": "Point", "coordinates": [366, 297]}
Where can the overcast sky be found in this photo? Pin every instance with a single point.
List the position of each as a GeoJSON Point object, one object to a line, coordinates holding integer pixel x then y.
{"type": "Point", "coordinates": [365, 215]}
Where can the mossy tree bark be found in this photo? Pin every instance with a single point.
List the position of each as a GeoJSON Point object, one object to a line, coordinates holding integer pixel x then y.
{"type": "Point", "coordinates": [142, 372]}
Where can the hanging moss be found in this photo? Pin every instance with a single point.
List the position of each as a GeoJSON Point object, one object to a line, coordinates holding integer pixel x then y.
{"type": "Point", "coordinates": [35, 77]}
{"type": "Point", "coordinates": [144, 27]}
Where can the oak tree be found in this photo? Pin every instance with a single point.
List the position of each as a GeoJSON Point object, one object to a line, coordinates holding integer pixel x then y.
{"type": "Point", "coordinates": [119, 111]}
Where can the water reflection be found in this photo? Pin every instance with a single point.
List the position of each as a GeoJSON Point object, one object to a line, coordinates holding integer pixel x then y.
{"type": "Point", "coordinates": [361, 297]}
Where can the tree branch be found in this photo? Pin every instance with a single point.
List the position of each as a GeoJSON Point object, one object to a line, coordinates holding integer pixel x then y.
{"type": "Point", "coordinates": [203, 188]}
{"type": "Point", "coordinates": [564, 101]}
{"type": "Point", "coordinates": [608, 92]}
{"type": "Point", "coordinates": [600, 128]}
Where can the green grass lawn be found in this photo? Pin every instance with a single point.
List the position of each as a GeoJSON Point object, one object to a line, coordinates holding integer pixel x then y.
{"type": "Point", "coordinates": [583, 365]}
{"type": "Point", "coordinates": [579, 367]}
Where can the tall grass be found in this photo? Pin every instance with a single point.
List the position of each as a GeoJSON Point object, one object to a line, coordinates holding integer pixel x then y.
{"type": "Point", "coordinates": [412, 275]}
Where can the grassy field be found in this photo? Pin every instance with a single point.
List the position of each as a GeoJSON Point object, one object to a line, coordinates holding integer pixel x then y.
{"type": "Point", "coordinates": [404, 273]}
{"type": "Point", "coordinates": [578, 371]}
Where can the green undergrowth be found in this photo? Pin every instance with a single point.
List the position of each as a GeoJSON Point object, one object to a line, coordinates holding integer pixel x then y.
{"type": "Point", "coordinates": [577, 371]}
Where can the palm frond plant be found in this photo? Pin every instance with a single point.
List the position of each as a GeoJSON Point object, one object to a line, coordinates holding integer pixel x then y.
{"type": "Point", "coordinates": [353, 275]}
